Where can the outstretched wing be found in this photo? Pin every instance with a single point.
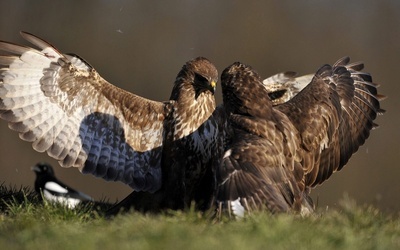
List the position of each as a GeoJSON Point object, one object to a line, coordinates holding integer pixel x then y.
{"type": "Point", "coordinates": [334, 115]}
{"type": "Point", "coordinates": [260, 168]}
{"type": "Point", "coordinates": [64, 107]}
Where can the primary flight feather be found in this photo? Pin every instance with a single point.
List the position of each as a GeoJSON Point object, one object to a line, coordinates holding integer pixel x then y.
{"type": "Point", "coordinates": [263, 148]}
{"type": "Point", "coordinates": [60, 104]}
{"type": "Point", "coordinates": [276, 150]}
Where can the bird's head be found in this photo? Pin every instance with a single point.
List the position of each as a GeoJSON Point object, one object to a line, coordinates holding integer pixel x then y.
{"type": "Point", "coordinates": [243, 91]}
{"type": "Point", "coordinates": [43, 168]}
{"type": "Point", "coordinates": [199, 74]}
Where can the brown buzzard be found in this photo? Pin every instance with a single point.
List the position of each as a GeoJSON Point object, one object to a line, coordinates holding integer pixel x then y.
{"type": "Point", "coordinates": [65, 108]}
{"type": "Point", "coordinates": [275, 154]}
{"type": "Point", "coordinates": [266, 146]}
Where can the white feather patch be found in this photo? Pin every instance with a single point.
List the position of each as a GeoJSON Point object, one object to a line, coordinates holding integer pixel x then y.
{"type": "Point", "coordinates": [54, 187]}
{"type": "Point", "coordinates": [228, 153]}
{"type": "Point", "coordinates": [324, 143]}
{"type": "Point", "coordinates": [66, 201]}
{"type": "Point", "coordinates": [237, 208]}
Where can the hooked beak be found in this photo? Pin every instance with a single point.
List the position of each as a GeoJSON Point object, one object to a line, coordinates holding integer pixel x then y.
{"type": "Point", "coordinates": [214, 86]}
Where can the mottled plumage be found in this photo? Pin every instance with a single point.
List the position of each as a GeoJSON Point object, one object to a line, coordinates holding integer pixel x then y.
{"type": "Point", "coordinates": [264, 147]}
{"type": "Point", "coordinates": [275, 154]}
{"type": "Point", "coordinates": [60, 104]}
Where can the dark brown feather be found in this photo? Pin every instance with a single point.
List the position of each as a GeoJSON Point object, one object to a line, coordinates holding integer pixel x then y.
{"type": "Point", "coordinates": [352, 103]}
{"type": "Point", "coordinates": [260, 167]}
{"type": "Point", "coordinates": [274, 154]}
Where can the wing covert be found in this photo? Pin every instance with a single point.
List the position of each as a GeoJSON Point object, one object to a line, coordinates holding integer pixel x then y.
{"type": "Point", "coordinates": [334, 115]}
{"type": "Point", "coordinates": [64, 107]}
{"type": "Point", "coordinates": [254, 175]}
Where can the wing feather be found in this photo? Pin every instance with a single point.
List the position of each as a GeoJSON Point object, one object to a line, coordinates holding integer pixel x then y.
{"type": "Point", "coordinates": [337, 112]}
{"type": "Point", "coordinates": [260, 167]}
{"type": "Point", "coordinates": [250, 175]}
{"type": "Point", "coordinates": [275, 154]}
{"type": "Point", "coordinates": [63, 106]}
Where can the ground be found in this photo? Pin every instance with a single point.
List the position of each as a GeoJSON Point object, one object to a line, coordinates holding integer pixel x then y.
{"type": "Point", "coordinates": [26, 223]}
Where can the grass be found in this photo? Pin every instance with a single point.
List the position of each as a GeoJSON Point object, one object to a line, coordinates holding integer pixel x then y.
{"type": "Point", "coordinates": [27, 223]}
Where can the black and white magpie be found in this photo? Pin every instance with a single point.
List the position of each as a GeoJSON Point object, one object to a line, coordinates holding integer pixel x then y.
{"type": "Point", "coordinates": [53, 190]}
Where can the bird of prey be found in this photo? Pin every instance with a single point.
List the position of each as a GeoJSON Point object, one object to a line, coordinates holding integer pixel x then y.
{"type": "Point", "coordinates": [264, 147]}
{"type": "Point", "coordinates": [60, 104]}
{"type": "Point", "coordinates": [53, 190]}
{"type": "Point", "coordinates": [275, 153]}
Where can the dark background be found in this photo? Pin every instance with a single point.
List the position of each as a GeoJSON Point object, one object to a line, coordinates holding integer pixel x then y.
{"type": "Point", "coordinates": [141, 45]}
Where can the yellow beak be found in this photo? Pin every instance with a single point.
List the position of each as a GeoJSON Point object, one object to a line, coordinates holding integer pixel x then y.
{"type": "Point", "coordinates": [213, 84]}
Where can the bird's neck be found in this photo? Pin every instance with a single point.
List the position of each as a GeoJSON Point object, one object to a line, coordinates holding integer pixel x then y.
{"type": "Point", "coordinates": [190, 112]}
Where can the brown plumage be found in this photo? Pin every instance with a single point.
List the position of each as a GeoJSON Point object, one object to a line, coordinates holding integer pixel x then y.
{"type": "Point", "coordinates": [275, 154]}
{"type": "Point", "coordinates": [266, 146]}
{"type": "Point", "coordinates": [65, 108]}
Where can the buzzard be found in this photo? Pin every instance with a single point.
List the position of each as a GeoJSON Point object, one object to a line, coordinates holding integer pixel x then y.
{"type": "Point", "coordinates": [264, 147]}
{"type": "Point", "coordinates": [277, 150]}
{"type": "Point", "coordinates": [60, 104]}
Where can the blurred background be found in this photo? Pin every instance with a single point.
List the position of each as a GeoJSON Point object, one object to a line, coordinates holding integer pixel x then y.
{"type": "Point", "coordinates": [141, 45]}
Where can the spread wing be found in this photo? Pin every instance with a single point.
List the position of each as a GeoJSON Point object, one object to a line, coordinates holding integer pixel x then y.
{"type": "Point", "coordinates": [260, 168]}
{"type": "Point", "coordinates": [65, 108]}
{"type": "Point", "coordinates": [334, 115]}
{"type": "Point", "coordinates": [275, 153]}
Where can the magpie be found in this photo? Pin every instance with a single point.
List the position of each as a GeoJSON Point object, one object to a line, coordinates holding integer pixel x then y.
{"type": "Point", "coordinates": [53, 190]}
